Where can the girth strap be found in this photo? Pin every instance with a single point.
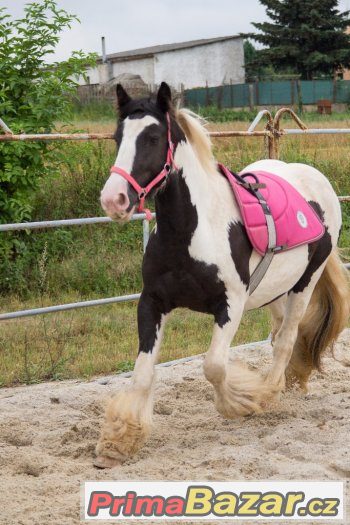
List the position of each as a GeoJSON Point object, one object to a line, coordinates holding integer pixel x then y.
{"type": "Point", "coordinates": [265, 262]}
{"type": "Point", "coordinates": [272, 247]}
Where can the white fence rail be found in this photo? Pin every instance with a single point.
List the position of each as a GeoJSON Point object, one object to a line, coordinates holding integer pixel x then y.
{"type": "Point", "coordinates": [272, 132]}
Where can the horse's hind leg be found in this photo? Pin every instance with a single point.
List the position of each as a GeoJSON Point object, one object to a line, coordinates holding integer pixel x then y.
{"type": "Point", "coordinates": [128, 416]}
{"type": "Point", "coordinates": [300, 364]}
{"type": "Point", "coordinates": [238, 390]}
{"type": "Point", "coordinates": [286, 340]}
{"type": "Point", "coordinates": [277, 309]}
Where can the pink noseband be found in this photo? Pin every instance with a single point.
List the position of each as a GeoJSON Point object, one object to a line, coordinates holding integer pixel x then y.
{"type": "Point", "coordinates": [143, 192]}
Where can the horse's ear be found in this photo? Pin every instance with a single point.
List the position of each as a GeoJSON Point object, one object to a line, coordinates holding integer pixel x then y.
{"type": "Point", "coordinates": [164, 97]}
{"type": "Point", "coordinates": [122, 96]}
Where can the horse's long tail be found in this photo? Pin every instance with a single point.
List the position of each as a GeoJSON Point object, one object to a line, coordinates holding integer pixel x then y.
{"type": "Point", "coordinates": [325, 317]}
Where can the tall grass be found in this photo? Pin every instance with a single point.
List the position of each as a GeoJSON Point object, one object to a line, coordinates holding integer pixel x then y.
{"type": "Point", "coordinates": [101, 340]}
{"type": "Point", "coordinates": [94, 110]}
{"type": "Point", "coordinates": [104, 260]}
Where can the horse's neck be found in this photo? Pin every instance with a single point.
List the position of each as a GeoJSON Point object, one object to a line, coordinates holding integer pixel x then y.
{"type": "Point", "coordinates": [199, 181]}
{"type": "Point", "coordinates": [186, 188]}
{"type": "Point", "coordinates": [194, 187]}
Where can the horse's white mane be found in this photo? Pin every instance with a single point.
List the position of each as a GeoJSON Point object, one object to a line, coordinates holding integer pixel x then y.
{"type": "Point", "coordinates": [198, 136]}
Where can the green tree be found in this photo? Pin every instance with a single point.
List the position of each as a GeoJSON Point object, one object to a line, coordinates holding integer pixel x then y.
{"type": "Point", "coordinates": [253, 69]}
{"type": "Point", "coordinates": [34, 95]}
{"type": "Point", "coordinates": [305, 36]}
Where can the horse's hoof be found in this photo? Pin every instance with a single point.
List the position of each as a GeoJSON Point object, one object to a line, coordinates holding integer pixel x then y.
{"type": "Point", "coordinates": [106, 462]}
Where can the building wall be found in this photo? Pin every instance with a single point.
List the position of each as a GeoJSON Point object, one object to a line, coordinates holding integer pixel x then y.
{"type": "Point", "coordinates": [93, 77]}
{"type": "Point", "coordinates": [99, 74]}
{"type": "Point", "coordinates": [215, 64]}
{"type": "Point", "coordinates": [346, 74]}
{"type": "Point", "coordinates": [142, 66]}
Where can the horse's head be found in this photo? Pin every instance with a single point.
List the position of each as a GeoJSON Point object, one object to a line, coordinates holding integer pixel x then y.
{"type": "Point", "coordinates": [144, 152]}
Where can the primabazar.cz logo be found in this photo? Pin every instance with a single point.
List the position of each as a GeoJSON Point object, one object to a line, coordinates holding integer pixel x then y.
{"type": "Point", "coordinates": [316, 500]}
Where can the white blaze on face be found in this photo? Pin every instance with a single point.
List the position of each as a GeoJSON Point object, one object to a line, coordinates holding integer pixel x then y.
{"type": "Point", "coordinates": [114, 196]}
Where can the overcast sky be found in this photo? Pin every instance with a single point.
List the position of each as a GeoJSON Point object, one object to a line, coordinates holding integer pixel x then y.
{"type": "Point", "coordinates": [131, 24]}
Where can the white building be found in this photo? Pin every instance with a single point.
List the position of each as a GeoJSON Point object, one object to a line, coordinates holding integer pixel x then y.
{"type": "Point", "coordinates": [212, 62]}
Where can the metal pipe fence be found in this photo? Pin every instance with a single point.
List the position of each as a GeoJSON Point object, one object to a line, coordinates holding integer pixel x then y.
{"type": "Point", "coordinates": [272, 133]}
{"type": "Point", "coordinates": [68, 306]}
{"type": "Point", "coordinates": [63, 223]}
{"type": "Point", "coordinates": [81, 304]}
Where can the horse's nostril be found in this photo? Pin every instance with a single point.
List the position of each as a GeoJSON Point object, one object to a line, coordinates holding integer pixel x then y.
{"type": "Point", "coordinates": [121, 200]}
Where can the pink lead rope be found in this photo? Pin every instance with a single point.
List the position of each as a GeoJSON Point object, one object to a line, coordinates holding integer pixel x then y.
{"type": "Point", "coordinates": [143, 192]}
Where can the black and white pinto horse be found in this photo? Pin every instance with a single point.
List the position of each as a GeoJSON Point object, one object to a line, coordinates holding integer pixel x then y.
{"type": "Point", "coordinates": [199, 257]}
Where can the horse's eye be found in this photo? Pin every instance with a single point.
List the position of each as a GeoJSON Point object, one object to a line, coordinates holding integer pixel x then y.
{"type": "Point", "coordinates": [154, 139]}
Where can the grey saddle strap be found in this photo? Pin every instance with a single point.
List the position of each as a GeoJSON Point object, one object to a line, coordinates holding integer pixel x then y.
{"type": "Point", "coordinates": [272, 247]}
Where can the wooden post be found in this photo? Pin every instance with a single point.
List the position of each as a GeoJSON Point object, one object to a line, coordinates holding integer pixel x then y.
{"type": "Point", "coordinates": [271, 144]}
{"type": "Point", "coordinates": [182, 95]}
{"type": "Point", "coordinates": [299, 95]}
{"type": "Point", "coordinates": [251, 97]}
{"type": "Point", "coordinates": [334, 89]}
{"type": "Point", "coordinates": [220, 95]}
{"type": "Point", "coordinates": [276, 146]}
{"type": "Point", "coordinates": [257, 93]}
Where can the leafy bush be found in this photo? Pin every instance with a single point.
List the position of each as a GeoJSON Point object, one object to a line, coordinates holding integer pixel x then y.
{"type": "Point", "coordinates": [33, 96]}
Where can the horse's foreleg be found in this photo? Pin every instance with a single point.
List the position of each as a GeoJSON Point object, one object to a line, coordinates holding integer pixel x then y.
{"type": "Point", "coordinates": [238, 390]}
{"type": "Point", "coordinates": [128, 416]}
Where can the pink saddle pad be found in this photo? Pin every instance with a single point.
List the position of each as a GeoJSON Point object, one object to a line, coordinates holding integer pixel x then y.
{"type": "Point", "coordinates": [295, 220]}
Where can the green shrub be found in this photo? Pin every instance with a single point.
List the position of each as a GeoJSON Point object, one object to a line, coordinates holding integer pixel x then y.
{"type": "Point", "coordinates": [33, 96]}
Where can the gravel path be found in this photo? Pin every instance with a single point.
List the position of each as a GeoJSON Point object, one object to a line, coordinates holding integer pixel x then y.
{"type": "Point", "coordinates": [48, 433]}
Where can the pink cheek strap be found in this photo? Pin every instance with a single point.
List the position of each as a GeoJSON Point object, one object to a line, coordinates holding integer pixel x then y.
{"type": "Point", "coordinates": [143, 192]}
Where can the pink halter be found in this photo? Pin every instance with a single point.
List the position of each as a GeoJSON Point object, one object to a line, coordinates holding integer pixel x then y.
{"type": "Point", "coordinates": [143, 192]}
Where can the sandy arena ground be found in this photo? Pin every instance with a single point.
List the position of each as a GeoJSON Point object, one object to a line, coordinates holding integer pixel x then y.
{"type": "Point", "coordinates": [48, 433]}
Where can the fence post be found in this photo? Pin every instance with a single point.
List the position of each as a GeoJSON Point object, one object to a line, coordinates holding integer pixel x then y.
{"type": "Point", "coordinates": [145, 228]}
{"type": "Point", "coordinates": [251, 97]}
{"type": "Point", "coordinates": [300, 96]}
{"type": "Point", "coordinates": [182, 95]}
{"type": "Point", "coordinates": [257, 93]}
{"type": "Point", "coordinates": [271, 145]}
{"type": "Point", "coordinates": [206, 94]}
{"type": "Point", "coordinates": [276, 128]}
{"type": "Point", "coordinates": [220, 96]}
{"type": "Point", "coordinates": [276, 133]}
{"type": "Point", "coordinates": [334, 89]}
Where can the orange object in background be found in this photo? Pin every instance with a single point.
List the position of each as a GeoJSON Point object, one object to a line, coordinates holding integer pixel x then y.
{"type": "Point", "coordinates": [324, 107]}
